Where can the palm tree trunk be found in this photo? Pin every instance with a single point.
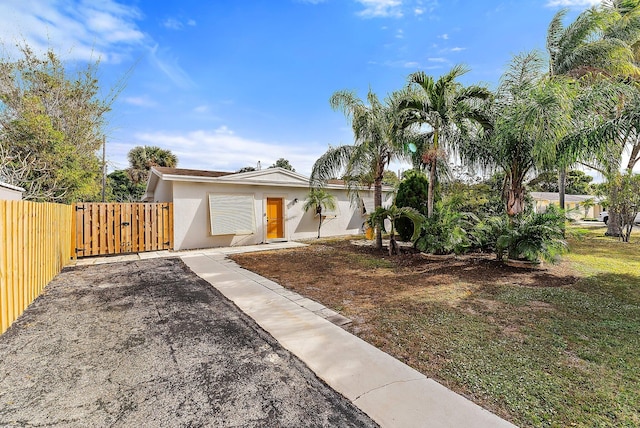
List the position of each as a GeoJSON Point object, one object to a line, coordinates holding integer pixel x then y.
{"type": "Point", "coordinates": [319, 226]}
{"type": "Point", "coordinates": [614, 228]}
{"type": "Point", "coordinates": [515, 199]}
{"type": "Point", "coordinates": [431, 188]}
{"type": "Point", "coordinates": [377, 203]}
{"type": "Point", "coordinates": [562, 185]}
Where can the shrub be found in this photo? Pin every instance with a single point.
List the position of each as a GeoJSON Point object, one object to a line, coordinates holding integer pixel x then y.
{"type": "Point", "coordinates": [446, 231]}
{"type": "Point", "coordinates": [534, 236]}
{"type": "Point", "coordinates": [412, 193]}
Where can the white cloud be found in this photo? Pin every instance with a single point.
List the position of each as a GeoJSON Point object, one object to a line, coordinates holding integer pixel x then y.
{"type": "Point", "coordinates": [201, 109]}
{"type": "Point", "coordinates": [142, 101]}
{"type": "Point", "coordinates": [440, 60]}
{"type": "Point", "coordinates": [418, 11]}
{"type": "Point", "coordinates": [170, 67]}
{"type": "Point", "coordinates": [380, 8]}
{"type": "Point", "coordinates": [399, 34]}
{"type": "Point", "coordinates": [222, 149]}
{"type": "Point", "coordinates": [172, 24]}
{"type": "Point", "coordinates": [572, 3]}
{"type": "Point", "coordinates": [457, 49]}
{"type": "Point", "coordinates": [176, 24]}
{"type": "Point", "coordinates": [444, 36]}
{"type": "Point", "coordinates": [84, 30]}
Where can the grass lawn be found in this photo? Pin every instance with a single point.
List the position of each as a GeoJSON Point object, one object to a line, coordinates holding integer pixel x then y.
{"type": "Point", "coordinates": [556, 347]}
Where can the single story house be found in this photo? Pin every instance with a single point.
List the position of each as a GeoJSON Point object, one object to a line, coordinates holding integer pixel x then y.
{"type": "Point", "coordinates": [574, 204]}
{"type": "Point", "coordinates": [10, 192]}
{"type": "Point", "coordinates": [222, 209]}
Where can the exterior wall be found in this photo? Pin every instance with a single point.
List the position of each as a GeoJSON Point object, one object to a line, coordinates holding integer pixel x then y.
{"type": "Point", "coordinates": [10, 194]}
{"type": "Point", "coordinates": [192, 222]}
{"type": "Point", "coordinates": [573, 209]}
{"type": "Point", "coordinates": [163, 191]}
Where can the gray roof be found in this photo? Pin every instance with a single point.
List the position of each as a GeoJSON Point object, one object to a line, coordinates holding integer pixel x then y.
{"type": "Point", "coordinates": [11, 187]}
{"type": "Point", "coordinates": [555, 197]}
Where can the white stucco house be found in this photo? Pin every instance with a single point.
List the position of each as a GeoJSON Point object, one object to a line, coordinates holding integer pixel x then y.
{"type": "Point", "coordinates": [10, 192]}
{"type": "Point", "coordinates": [574, 204]}
{"type": "Point", "coordinates": [221, 209]}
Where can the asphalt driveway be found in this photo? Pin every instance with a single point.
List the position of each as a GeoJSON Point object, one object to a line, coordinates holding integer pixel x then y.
{"type": "Point", "coordinates": [148, 343]}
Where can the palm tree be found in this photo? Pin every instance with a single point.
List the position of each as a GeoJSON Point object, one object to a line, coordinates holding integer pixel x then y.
{"type": "Point", "coordinates": [362, 164]}
{"type": "Point", "coordinates": [602, 41]}
{"type": "Point", "coordinates": [142, 158]}
{"type": "Point", "coordinates": [393, 213]}
{"type": "Point", "coordinates": [450, 110]}
{"type": "Point", "coordinates": [530, 112]}
{"type": "Point", "coordinates": [319, 199]}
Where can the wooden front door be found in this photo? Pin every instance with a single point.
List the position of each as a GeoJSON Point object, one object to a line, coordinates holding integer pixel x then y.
{"type": "Point", "coordinates": [275, 218]}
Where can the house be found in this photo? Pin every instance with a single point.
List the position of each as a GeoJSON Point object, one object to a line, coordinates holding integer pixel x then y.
{"type": "Point", "coordinates": [574, 204]}
{"type": "Point", "coordinates": [10, 192]}
{"type": "Point", "coordinates": [221, 209]}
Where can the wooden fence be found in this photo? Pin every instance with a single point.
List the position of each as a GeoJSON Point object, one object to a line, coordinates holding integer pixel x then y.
{"type": "Point", "coordinates": [105, 228]}
{"type": "Point", "coordinates": [35, 244]}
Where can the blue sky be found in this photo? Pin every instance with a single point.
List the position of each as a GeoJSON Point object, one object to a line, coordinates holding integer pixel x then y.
{"type": "Point", "coordinates": [225, 84]}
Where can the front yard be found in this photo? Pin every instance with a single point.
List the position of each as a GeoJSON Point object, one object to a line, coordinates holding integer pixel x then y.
{"type": "Point", "coordinates": [552, 347]}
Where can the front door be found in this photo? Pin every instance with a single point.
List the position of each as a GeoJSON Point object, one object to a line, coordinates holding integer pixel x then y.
{"type": "Point", "coordinates": [275, 218]}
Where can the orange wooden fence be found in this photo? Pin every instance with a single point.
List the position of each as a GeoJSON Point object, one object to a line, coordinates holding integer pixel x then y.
{"type": "Point", "coordinates": [35, 244]}
{"type": "Point", "coordinates": [105, 228]}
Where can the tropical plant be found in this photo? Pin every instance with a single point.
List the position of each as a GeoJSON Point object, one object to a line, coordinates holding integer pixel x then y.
{"type": "Point", "coordinates": [142, 158]}
{"type": "Point", "coordinates": [319, 200]}
{"type": "Point", "coordinates": [393, 214]}
{"type": "Point", "coordinates": [122, 189]}
{"type": "Point", "coordinates": [624, 202]}
{"type": "Point", "coordinates": [283, 163]}
{"type": "Point", "coordinates": [534, 236]}
{"type": "Point", "coordinates": [51, 126]}
{"type": "Point", "coordinates": [601, 41]}
{"type": "Point", "coordinates": [412, 192]}
{"type": "Point", "coordinates": [450, 111]}
{"type": "Point", "coordinates": [362, 164]}
{"type": "Point", "coordinates": [447, 231]}
{"type": "Point", "coordinates": [529, 114]}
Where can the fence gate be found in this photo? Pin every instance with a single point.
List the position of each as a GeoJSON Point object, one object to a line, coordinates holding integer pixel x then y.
{"type": "Point", "coordinates": [105, 228]}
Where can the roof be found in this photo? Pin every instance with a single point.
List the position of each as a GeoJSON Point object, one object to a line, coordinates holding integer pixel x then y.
{"type": "Point", "coordinates": [191, 172]}
{"type": "Point", "coordinates": [11, 187]}
{"type": "Point", "coordinates": [554, 196]}
{"type": "Point", "coordinates": [275, 177]}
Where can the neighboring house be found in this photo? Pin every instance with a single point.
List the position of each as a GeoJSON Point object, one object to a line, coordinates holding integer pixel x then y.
{"type": "Point", "coordinates": [10, 192]}
{"type": "Point", "coordinates": [221, 209]}
{"type": "Point", "coordinates": [573, 204]}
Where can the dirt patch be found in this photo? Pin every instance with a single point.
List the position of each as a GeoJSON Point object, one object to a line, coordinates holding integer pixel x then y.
{"type": "Point", "coordinates": [350, 277]}
{"type": "Point", "coordinates": [148, 343]}
{"type": "Point", "coordinates": [410, 307]}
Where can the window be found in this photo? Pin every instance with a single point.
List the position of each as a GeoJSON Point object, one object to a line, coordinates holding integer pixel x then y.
{"type": "Point", "coordinates": [232, 214]}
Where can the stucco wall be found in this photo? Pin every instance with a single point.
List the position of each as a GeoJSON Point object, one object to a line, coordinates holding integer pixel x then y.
{"type": "Point", "coordinates": [10, 194]}
{"type": "Point", "coordinates": [192, 223]}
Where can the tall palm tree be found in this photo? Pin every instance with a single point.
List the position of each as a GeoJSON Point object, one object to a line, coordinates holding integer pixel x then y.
{"type": "Point", "coordinates": [601, 41]}
{"type": "Point", "coordinates": [363, 163]}
{"type": "Point", "coordinates": [450, 111]}
{"type": "Point", "coordinates": [317, 200]}
{"type": "Point", "coordinates": [142, 158]}
{"type": "Point", "coordinates": [529, 113]}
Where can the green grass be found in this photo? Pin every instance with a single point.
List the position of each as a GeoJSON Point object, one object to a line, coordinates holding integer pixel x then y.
{"type": "Point", "coordinates": [540, 356]}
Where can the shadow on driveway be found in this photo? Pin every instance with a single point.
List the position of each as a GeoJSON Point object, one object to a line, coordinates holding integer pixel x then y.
{"type": "Point", "coordinates": [148, 343]}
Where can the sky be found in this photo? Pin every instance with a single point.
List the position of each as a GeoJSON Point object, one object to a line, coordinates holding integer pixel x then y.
{"type": "Point", "coordinates": [226, 84]}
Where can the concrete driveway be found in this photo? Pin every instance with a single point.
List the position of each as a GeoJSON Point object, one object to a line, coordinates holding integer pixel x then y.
{"type": "Point", "coordinates": [148, 343]}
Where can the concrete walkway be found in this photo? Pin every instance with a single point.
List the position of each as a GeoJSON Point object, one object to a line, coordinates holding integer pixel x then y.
{"type": "Point", "coordinates": [390, 392]}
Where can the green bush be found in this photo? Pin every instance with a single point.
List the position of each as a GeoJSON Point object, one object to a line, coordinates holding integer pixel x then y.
{"type": "Point", "coordinates": [534, 236]}
{"type": "Point", "coordinates": [446, 231]}
{"type": "Point", "coordinates": [412, 193]}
